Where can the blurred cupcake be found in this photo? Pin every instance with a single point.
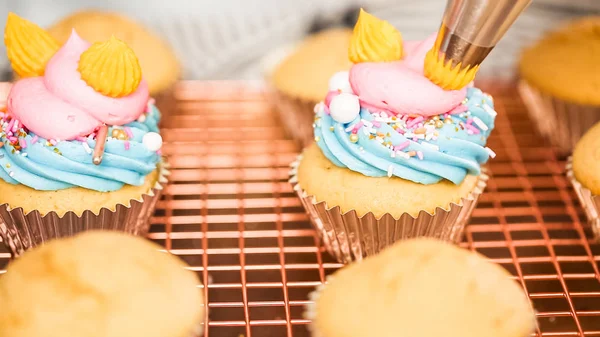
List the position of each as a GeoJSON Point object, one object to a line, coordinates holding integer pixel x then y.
{"type": "Point", "coordinates": [423, 288]}
{"type": "Point", "coordinates": [582, 170]}
{"type": "Point", "coordinates": [395, 156]}
{"type": "Point", "coordinates": [100, 284]}
{"type": "Point", "coordinates": [79, 142]}
{"type": "Point", "coordinates": [159, 64]}
{"type": "Point", "coordinates": [301, 79]}
{"type": "Point", "coordinates": [559, 82]}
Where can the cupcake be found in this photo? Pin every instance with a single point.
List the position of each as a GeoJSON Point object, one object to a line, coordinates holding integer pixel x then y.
{"type": "Point", "coordinates": [301, 79]}
{"type": "Point", "coordinates": [100, 284]}
{"type": "Point", "coordinates": [559, 82]}
{"type": "Point", "coordinates": [395, 156]}
{"type": "Point", "coordinates": [582, 171]}
{"type": "Point", "coordinates": [159, 64]}
{"type": "Point", "coordinates": [79, 142]}
{"type": "Point", "coordinates": [424, 288]}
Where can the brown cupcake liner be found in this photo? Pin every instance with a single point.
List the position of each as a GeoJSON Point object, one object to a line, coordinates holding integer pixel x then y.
{"type": "Point", "coordinates": [22, 230]}
{"type": "Point", "coordinates": [297, 116]}
{"type": "Point", "coordinates": [349, 237]}
{"type": "Point", "coordinates": [562, 123]}
{"type": "Point", "coordinates": [589, 201]}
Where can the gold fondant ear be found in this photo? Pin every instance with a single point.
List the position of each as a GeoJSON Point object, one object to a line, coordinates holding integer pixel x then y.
{"type": "Point", "coordinates": [28, 46]}
{"type": "Point", "coordinates": [374, 40]}
{"type": "Point", "coordinates": [111, 68]}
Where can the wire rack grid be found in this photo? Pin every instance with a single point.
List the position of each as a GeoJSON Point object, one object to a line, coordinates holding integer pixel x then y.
{"type": "Point", "coordinates": [229, 212]}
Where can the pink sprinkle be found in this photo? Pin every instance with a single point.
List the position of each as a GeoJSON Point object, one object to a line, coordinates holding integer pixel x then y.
{"type": "Point", "coordinates": [126, 145]}
{"type": "Point", "coordinates": [415, 139]}
{"type": "Point", "coordinates": [376, 124]}
{"type": "Point", "coordinates": [357, 127]}
{"type": "Point", "coordinates": [400, 131]}
{"type": "Point", "coordinates": [13, 139]}
{"type": "Point", "coordinates": [128, 132]}
{"type": "Point", "coordinates": [458, 109]}
{"type": "Point", "coordinates": [11, 124]}
{"type": "Point", "coordinates": [16, 126]}
{"type": "Point", "coordinates": [326, 109]}
{"type": "Point", "coordinates": [9, 133]}
{"type": "Point", "coordinates": [404, 117]}
{"type": "Point", "coordinates": [23, 143]}
{"type": "Point", "coordinates": [402, 146]}
{"type": "Point", "coordinates": [53, 142]}
{"type": "Point", "coordinates": [34, 140]}
{"type": "Point", "coordinates": [469, 121]}
{"type": "Point", "coordinates": [414, 122]}
{"type": "Point", "coordinates": [420, 155]}
{"type": "Point", "coordinates": [472, 129]}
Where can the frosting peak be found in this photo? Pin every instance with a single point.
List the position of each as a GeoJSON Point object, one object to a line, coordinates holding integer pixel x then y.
{"type": "Point", "coordinates": [400, 87]}
{"type": "Point", "coordinates": [60, 105]}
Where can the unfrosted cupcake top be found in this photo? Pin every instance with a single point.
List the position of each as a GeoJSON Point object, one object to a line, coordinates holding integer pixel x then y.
{"type": "Point", "coordinates": [565, 63]}
{"type": "Point", "coordinates": [71, 104]}
{"type": "Point", "coordinates": [385, 117]}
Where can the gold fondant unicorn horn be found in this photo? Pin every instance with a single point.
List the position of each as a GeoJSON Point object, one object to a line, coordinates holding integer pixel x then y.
{"type": "Point", "coordinates": [28, 46]}
{"type": "Point", "coordinates": [374, 40]}
{"type": "Point", "coordinates": [111, 68]}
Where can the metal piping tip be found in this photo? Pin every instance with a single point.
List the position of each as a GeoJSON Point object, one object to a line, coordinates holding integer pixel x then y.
{"type": "Point", "coordinates": [469, 31]}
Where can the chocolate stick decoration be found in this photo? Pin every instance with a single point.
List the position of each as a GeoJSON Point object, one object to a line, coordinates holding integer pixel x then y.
{"type": "Point", "coordinates": [100, 142]}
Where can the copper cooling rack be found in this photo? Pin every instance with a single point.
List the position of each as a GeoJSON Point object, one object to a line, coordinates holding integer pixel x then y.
{"type": "Point", "coordinates": [231, 215]}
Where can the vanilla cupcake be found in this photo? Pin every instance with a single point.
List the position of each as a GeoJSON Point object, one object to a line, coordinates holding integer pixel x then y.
{"type": "Point", "coordinates": [79, 142]}
{"type": "Point", "coordinates": [395, 155]}
{"type": "Point", "coordinates": [424, 288]}
{"type": "Point", "coordinates": [157, 59]}
{"type": "Point", "coordinates": [100, 284]}
{"type": "Point", "coordinates": [302, 77]}
{"type": "Point", "coordinates": [582, 170]}
{"type": "Point", "coordinates": [559, 82]}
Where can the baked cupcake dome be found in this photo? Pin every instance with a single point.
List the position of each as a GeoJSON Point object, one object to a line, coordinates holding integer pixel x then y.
{"type": "Point", "coordinates": [564, 64]}
{"type": "Point", "coordinates": [351, 190]}
{"type": "Point", "coordinates": [586, 160]}
{"type": "Point", "coordinates": [306, 72]}
{"type": "Point", "coordinates": [100, 284]}
{"type": "Point", "coordinates": [424, 288]}
{"type": "Point", "coordinates": [158, 61]}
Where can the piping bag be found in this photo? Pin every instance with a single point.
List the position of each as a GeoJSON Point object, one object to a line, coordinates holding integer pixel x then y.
{"type": "Point", "coordinates": [469, 31]}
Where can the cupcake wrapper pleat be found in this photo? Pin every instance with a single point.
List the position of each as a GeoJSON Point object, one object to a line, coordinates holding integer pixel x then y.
{"type": "Point", "coordinates": [349, 237]}
{"type": "Point", "coordinates": [589, 201]}
{"type": "Point", "coordinates": [21, 231]}
{"type": "Point", "coordinates": [562, 123]}
{"type": "Point", "coordinates": [297, 117]}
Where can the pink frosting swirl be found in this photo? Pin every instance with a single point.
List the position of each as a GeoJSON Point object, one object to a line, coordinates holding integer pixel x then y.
{"type": "Point", "coordinates": [401, 87]}
{"type": "Point", "coordinates": [60, 105]}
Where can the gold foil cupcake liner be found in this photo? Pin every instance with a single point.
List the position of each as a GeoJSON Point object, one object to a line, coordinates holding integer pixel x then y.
{"type": "Point", "coordinates": [22, 230]}
{"type": "Point", "coordinates": [562, 123]}
{"type": "Point", "coordinates": [297, 116]}
{"type": "Point", "coordinates": [349, 237]}
{"type": "Point", "coordinates": [589, 201]}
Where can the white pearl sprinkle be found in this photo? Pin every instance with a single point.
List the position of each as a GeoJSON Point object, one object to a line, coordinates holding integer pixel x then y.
{"type": "Point", "coordinates": [153, 141]}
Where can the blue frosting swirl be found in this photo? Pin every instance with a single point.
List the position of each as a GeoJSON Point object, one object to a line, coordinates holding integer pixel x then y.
{"type": "Point", "coordinates": [67, 164]}
{"type": "Point", "coordinates": [450, 150]}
